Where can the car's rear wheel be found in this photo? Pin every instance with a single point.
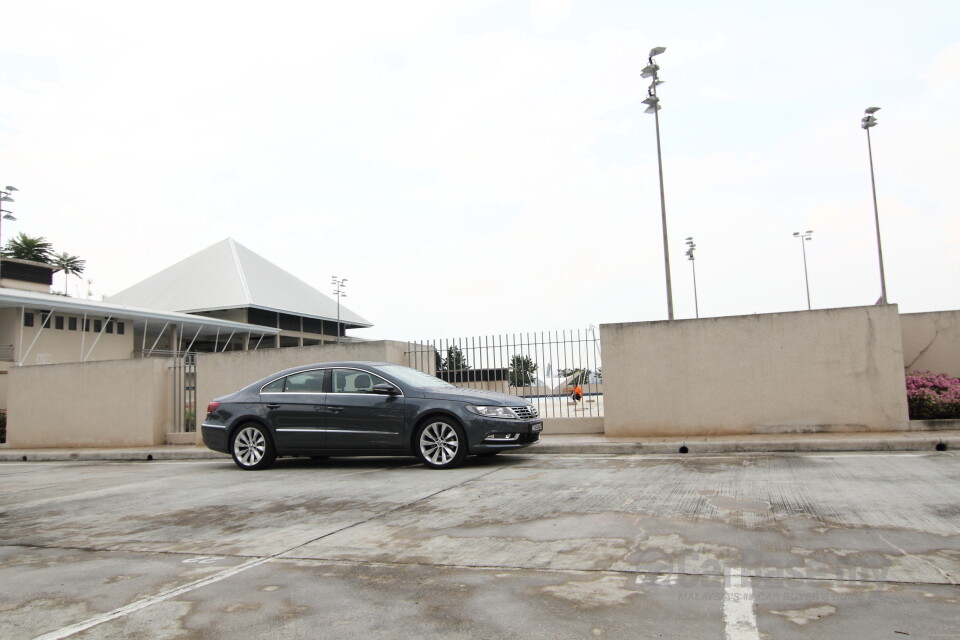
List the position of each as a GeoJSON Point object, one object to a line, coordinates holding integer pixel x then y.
{"type": "Point", "coordinates": [252, 448]}
{"type": "Point", "coordinates": [441, 444]}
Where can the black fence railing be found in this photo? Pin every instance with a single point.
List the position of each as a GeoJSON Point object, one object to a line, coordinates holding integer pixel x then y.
{"type": "Point", "coordinates": [546, 368]}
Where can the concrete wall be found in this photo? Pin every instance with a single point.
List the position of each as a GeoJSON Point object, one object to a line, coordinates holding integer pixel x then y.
{"type": "Point", "coordinates": [22, 285]}
{"type": "Point", "coordinates": [221, 373]}
{"type": "Point", "coordinates": [931, 342]}
{"type": "Point", "coordinates": [567, 426]}
{"type": "Point", "coordinates": [120, 403]}
{"type": "Point", "coordinates": [4, 377]}
{"type": "Point", "coordinates": [811, 371]}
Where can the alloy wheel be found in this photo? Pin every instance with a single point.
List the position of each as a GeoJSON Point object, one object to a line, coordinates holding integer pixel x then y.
{"type": "Point", "coordinates": [439, 443]}
{"type": "Point", "coordinates": [249, 446]}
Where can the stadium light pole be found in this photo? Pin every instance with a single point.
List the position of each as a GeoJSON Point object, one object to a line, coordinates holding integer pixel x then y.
{"type": "Point", "coordinates": [653, 106]}
{"type": "Point", "coordinates": [804, 238]}
{"type": "Point", "coordinates": [691, 247]}
{"type": "Point", "coordinates": [339, 290]}
{"type": "Point", "coordinates": [5, 215]}
{"type": "Point", "coordinates": [866, 123]}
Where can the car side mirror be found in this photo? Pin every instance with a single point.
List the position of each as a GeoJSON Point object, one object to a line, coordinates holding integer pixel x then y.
{"type": "Point", "coordinates": [385, 390]}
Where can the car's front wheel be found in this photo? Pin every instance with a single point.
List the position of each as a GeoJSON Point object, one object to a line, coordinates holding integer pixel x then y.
{"type": "Point", "coordinates": [441, 444]}
{"type": "Point", "coordinates": [252, 448]}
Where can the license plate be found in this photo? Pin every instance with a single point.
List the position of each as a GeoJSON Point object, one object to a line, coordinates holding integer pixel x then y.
{"type": "Point", "coordinates": [537, 427]}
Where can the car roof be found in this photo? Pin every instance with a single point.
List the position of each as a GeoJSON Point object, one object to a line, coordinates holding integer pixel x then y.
{"type": "Point", "coordinates": [315, 365]}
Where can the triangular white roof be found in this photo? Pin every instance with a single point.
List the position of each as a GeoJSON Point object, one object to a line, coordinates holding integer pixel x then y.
{"type": "Point", "coordinates": [227, 275]}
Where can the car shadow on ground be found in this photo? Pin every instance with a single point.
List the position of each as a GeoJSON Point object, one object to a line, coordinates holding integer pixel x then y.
{"type": "Point", "coordinates": [360, 463]}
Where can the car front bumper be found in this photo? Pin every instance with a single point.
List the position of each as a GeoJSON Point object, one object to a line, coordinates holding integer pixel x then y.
{"type": "Point", "coordinates": [490, 435]}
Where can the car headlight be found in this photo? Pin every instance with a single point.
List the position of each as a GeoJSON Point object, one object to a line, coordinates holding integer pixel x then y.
{"type": "Point", "coordinates": [505, 413]}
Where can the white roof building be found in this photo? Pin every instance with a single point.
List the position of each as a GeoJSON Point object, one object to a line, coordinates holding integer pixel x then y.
{"type": "Point", "coordinates": [229, 281]}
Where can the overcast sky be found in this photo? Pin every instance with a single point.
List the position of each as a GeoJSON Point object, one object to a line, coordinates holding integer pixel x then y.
{"type": "Point", "coordinates": [486, 167]}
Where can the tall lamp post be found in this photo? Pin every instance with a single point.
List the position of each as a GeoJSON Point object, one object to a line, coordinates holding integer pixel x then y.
{"type": "Point", "coordinates": [804, 238]}
{"type": "Point", "coordinates": [691, 247]}
{"type": "Point", "coordinates": [866, 123]}
{"type": "Point", "coordinates": [5, 215]}
{"type": "Point", "coordinates": [339, 290]}
{"type": "Point", "coordinates": [653, 106]}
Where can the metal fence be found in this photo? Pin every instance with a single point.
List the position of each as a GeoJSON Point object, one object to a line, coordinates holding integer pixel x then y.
{"type": "Point", "coordinates": [185, 393]}
{"type": "Point", "coordinates": [543, 367]}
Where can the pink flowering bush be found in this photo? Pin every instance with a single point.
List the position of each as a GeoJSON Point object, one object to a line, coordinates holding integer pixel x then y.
{"type": "Point", "coordinates": [932, 395]}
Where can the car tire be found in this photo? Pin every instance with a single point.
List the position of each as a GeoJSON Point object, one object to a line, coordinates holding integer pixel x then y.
{"type": "Point", "coordinates": [252, 448]}
{"type": "Point", "coordinates": [441, 443]}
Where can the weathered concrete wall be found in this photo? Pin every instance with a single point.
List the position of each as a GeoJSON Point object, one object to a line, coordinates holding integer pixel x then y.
{"type": "Point", "coordinates": [4, 377]}
{"type": "Point", "coordinates": [557, 426]}
{"type": "Point", "coordinates": [221, 373]}
{"type": "Point", "coordinates": [119, 403]}
{"type": "Point", "coordinates": [811, 371]}
{"type": "Point", "coordinates": [931, 342]}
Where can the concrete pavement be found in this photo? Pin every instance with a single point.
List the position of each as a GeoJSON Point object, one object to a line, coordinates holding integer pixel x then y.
{"type": "Point", "coordinates": [923, 440]}
{"type": "Point", "coordinates": [836, 545]}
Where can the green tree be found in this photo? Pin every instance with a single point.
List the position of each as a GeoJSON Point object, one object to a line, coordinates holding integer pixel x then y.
{"type": "Point", "coordinates": [455, 364]}
{"type": "Point", "coordinates": [25, 247]}
{"type": "Point", "coordinates": [70, 265]}
{"type": "Point", "coordinates": [522, 370]}
{"type": "Point", "coordinates": [455, 360]}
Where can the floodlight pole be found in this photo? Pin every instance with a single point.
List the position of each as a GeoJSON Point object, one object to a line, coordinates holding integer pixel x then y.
{"type": "Point", "coordinates": [663, 215]}
{"type": "Point", "coordinates": [866, 123]}
{"type": "Point", "coordinates": [804, 237]}
{"type": "Point", "coordinates": [691, 247]}
{"type": "Point", "coordinates": [338, 290]}
{"type": "Point", "coordinates": [654, 105]}
{"type": "Point", "coordinates": [5, 215]}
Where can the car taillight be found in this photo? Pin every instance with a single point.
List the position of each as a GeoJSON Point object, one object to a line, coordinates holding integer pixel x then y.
{"type": "Point", "coordinates": [213, 406]}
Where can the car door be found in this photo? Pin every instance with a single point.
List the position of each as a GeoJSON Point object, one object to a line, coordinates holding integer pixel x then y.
{"type": "Point", "coordinates": [357, 418]}
{"type": "Point", "coordinates": [294, 406]}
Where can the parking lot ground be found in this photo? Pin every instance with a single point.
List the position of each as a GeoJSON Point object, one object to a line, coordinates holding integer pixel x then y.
{"type": "Point", "coordinates": [559, 546]}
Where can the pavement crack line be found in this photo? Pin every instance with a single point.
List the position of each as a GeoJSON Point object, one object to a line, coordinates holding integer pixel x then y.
{"type": "Point", "coordinates": [149, 601]}
{"type": "Point", "coordinates": [641, 574]}
{"type": "Point", "coordinates": [944, 574]}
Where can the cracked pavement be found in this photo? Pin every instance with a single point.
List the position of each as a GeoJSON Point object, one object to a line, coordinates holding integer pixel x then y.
{"type": "Point", "coordinates": [560, 546]}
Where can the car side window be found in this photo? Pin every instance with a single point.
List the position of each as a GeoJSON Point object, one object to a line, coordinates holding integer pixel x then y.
{"type": "Point", "coordinates": [353, 381]}
{"type": "Point", "coordinates": [304, 382]}
{"type": "Point", "coordinates": [274, 387]}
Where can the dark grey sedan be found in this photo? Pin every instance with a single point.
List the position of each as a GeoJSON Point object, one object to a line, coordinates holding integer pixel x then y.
{"type": "Point", "coordinates": [365, 408]}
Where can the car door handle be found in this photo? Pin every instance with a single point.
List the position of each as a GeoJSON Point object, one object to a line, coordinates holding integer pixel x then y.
{"type": "Point", "coordinates": [273, 406]}
{"type": "Point", "coordinates": [334, 409]}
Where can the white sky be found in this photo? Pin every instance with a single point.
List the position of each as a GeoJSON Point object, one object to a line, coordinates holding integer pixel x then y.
{"type": "Point", "coordinates": [486, 167]}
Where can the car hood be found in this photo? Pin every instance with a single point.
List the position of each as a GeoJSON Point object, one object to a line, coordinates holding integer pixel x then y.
{"type": "Point", "coordinates": [475, 396]}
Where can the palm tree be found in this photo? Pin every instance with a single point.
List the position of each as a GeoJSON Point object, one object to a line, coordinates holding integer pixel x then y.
{"type": "Point", "coordinates": [25, 247]}
{"type": "Point", "coordinates": [70, 265]}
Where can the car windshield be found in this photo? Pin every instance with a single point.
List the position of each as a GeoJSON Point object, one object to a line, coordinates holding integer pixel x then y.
{"type": "Point", "coordinates": [414, 377]}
